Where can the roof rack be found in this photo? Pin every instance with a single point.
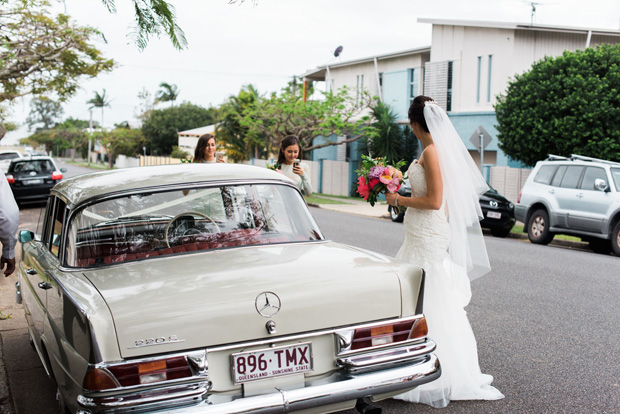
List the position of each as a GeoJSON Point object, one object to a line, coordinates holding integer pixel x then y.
{"type": "Point", "coordinates": [552, 157]}
{"type": "Point", "coordinates": [584, 158]}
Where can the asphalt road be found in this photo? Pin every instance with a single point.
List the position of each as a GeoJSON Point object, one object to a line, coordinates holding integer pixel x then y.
{"type": "Point", "coordinates": [546, 320]}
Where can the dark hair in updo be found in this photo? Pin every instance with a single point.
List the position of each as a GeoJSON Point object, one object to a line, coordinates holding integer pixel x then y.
{"type": "Point", "coordinates": [416, 111]}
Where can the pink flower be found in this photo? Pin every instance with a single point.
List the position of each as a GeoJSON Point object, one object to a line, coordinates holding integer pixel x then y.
{"type": "Point", "coordinates": [362, 187]}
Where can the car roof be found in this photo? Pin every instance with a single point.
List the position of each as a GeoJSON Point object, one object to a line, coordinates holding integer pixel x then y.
{"type": "Point", "coordinates": [85, 187]}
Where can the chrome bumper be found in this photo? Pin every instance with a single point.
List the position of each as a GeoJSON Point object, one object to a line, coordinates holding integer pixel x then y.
{"type": "Point", "coordinates": [356, 380]}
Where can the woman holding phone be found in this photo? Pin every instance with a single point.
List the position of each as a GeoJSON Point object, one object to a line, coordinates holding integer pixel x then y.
{"type": "Point", "coordinates": [205, 150]}
{"type": "Point", "coordinates": [289, 159]}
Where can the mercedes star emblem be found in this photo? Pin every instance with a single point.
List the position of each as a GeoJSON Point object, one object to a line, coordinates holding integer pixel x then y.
{"type": "Point", "coordinates": [267, 304]}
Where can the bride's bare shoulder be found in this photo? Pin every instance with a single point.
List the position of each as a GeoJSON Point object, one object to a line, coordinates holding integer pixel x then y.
{"type": "Point", "coordinates": [428, 155]}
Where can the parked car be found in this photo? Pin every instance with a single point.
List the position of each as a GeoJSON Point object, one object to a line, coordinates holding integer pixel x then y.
{"type": "Point", "coordinates": [210, 288]}
{"type": "Point", "coordinates": [498, 212]}
{"type": "Point", "coordinates": [578, 196]}
{"type": "Point", "coordinates": [6, 157]}
{"type": "Point", "coordinates": [31, 179]}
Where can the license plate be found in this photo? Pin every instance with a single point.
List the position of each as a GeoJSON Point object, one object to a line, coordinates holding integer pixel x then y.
{"type": "Point", "coordinates": [33, 182]}
{"type": "Point", "coordinates": [271, 362]}
{"type": "Point", "coordinates": [494, 215]}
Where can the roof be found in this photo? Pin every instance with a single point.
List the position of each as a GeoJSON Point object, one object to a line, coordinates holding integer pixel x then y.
{"type": "Point", "coordinates": [209, 129]}
{"type": "Point", "coordinates": [519, 26]}
{"type": "Point", "coordinates": [84, 187]}
{"type": "Point", "coordinates": [319, 73]}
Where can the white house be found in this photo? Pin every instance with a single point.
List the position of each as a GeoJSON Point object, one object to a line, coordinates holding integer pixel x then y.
{"type": "Point", "coordinates": [188, 139]}
{"type": "Point", "coordinates": [467, 65]}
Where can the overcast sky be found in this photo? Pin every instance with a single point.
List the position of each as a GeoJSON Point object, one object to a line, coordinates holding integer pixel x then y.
{"type": "Point", "coordinates": [266, 42]}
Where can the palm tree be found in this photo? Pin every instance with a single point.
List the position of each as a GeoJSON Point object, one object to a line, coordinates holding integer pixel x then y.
{"type": "Point", "coordinates": [99, 101]}
{"type": "Point", "coordinates": [385, 136]}
{"type": "Point", "coordinates": [167, 93]}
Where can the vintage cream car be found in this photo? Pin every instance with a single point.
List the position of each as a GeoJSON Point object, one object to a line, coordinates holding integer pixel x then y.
{"type": "Point", "coordinates": [209, 288]}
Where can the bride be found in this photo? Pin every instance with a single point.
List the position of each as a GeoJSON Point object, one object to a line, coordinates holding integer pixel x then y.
{"type": "Point", "coordinates": [443, 235]}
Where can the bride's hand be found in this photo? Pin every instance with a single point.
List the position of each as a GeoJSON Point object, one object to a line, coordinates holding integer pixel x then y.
{"type": "Point", "coordinates": [390, 198]}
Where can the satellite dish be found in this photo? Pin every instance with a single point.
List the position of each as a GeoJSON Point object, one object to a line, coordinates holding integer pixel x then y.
{"type": "Point", "coordinates": [338, 51]}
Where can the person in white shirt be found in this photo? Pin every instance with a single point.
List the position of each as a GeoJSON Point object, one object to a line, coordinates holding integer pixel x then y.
{"type": "Point", "coordinates": [9, 220]}
{"type": "Point", "coordinates": [290, 165]}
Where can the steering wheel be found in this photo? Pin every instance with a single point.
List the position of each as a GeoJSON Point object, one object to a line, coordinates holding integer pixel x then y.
{"type": "Point", "coordinates": [187, 214]}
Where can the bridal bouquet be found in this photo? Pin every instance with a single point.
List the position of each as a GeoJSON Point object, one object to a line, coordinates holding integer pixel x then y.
{"type": "Point", "coordinates": [376, 177]}
{"type": "Point", "coordinates": [275, 167]}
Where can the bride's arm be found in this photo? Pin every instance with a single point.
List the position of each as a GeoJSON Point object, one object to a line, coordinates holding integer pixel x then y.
{"type": "Point", "coordinates": [433, 198]}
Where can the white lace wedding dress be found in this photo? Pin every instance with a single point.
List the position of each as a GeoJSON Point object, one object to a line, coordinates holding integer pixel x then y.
{"type": "Point", "coordinates": [446, 292]}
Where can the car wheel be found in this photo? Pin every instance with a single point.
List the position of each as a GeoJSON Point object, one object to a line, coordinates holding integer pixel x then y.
{"type": "Point", "coordinates": [500, 232]}
{"type": "Point", "coordinates": [397, 218]}
{"type": "Point", "coordinates": [538, 228]}
{"type": "Point", "coordinates": [601, 246]}
{"type": "Point", "coordinates": [615, 239]}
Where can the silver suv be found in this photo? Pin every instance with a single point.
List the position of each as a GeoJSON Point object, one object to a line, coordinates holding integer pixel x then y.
{"type": "Point", "coordinates": [578, 196]}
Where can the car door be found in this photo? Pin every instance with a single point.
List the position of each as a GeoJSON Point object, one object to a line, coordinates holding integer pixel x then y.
{"type": "Point", "coordinates": [589, 210]}
{"type": "Point", "coordinates": [564, 186]}
{"type": "Point", "coordinates": [36, 263]}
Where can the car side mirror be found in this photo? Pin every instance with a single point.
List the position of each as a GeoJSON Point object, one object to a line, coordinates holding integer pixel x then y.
{"type": "Point", "coordinates": [600, 185]}
{"type": "Point", "coordinates": [26, 236]}
{"type": "Point", "coordinates": [63, 170]}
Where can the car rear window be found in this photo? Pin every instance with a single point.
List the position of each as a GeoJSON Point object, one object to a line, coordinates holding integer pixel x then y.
{"type": "Point", "coordinates": [39, 166]}
{"type": "Point", "coordinates": [152, 224]}
{"type": "Point", "coordinates": [571, 176]}
{"type": "Point", "coordinates": [9, 155]}
{"type": "Point", "coordinates": [545, 174]}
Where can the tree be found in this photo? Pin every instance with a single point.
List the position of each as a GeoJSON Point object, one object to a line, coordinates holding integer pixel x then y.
{"type": "Point", "coordinates": [385, 136]}
{"type": "Point", "coordinates": [272, 118]}
{"type": "Point", "coordinates": [564, 105]}
{"type": "Point", "coordinates": [161, 127]}
{"type": "Point", "coordinates": [120, 141]}
{"type": "Point", "coordinates": [44, 112]}
{"type": "Point", "coordinates": [231, 134]}
{"type": "Point", "coordinates": [41, 54]}
{"type": "Point", "coordinates": [153, 17]}
{"type": "Point", "coordinates": [99, 101]}
{"type": "Point", "coordinates": [167, 93]}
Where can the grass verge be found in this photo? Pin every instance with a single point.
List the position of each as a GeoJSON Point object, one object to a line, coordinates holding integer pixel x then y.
{"type": "Point", "coordinates": [93, 165]}
{"type": "Point", "coordinates": [518, 229]}
{"type": "Point", "coordinates": [317, 199]}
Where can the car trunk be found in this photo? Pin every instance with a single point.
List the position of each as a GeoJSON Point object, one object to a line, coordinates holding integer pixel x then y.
{"type": "Point", "coordinates": [211, 298]}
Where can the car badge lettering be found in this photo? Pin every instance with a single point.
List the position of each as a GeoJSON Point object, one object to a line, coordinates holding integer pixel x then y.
{"type": "Point", "coordinates": [493, 203]}
{"type": "Point", "coordinates": [162, 340]}
{"type": "Point", "coordinates": [267, 304]}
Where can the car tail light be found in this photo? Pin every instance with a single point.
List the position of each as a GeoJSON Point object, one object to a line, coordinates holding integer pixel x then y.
{"type": "Point", "coordinates": [519, 197]}
{"type": "Point", "coordinates": [10, 179]}
{"type": "Point", "coordinates": [389, 333]}
{"type": "Point", "coordinates": [56, 175]}
{"type": "Point", "coordinates": [125, 375]}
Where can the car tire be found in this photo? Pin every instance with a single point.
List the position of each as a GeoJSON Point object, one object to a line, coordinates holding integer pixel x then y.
{"type": "Point", "coordinates": [500, 232]}
{"type": "Point", "coordinates": [397, 218]}
{"type": "Point", "coordinates": [600, 246]}
{"type": "Point", "coordinates": [615, 239]}
{"type": "Point", "coordinates": [538, 227]}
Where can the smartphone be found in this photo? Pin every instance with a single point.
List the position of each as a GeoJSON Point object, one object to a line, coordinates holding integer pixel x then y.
{"type": "Point", "coordinates": [219, 155]}
{"type": "Point", "coordinates": [296, 162]}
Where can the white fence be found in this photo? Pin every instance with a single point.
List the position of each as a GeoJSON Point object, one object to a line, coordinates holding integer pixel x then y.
{"type": "Point", "coordinates": [508, 181]}
{"type": "Point", "coordinates": [335, 178]}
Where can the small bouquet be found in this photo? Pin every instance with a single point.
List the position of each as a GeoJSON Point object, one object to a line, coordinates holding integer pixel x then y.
{"type": "Point", "coordinates": [275, 167]}
{"type": "Point", "coordinates": [376, 177]}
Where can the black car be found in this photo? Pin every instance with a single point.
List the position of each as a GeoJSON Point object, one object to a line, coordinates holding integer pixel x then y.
{"type": "Point", "coordinates": [499, 213]}
{"type": "Point", "coordinates": [31, 179]}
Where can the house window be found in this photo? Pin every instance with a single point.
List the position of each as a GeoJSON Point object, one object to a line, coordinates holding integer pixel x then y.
{"type": "Point", "coordinates": [478, 81]}
{"type": "Point", "coordinates": [489, 78]}
{"type": "Point", "coordinates": [414, 83]}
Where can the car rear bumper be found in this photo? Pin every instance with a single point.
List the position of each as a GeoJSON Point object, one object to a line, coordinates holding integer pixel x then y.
{"type": "Point", "coordinates": [520, 212]}
{"type": "Point", "coordinates": [338, 391]}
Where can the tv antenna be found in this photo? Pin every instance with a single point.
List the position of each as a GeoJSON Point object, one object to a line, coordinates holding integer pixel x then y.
{"type": "Point", "coordinates": [533, 6]}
